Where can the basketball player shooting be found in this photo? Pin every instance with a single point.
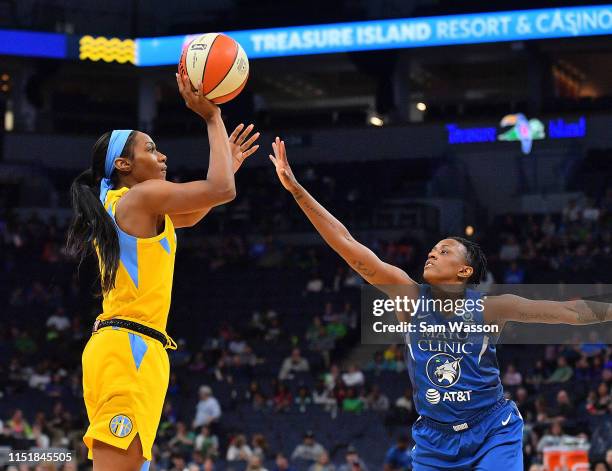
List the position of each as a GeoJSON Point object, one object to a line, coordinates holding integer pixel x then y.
{"type": "Point", "coordinates": [465, 422]}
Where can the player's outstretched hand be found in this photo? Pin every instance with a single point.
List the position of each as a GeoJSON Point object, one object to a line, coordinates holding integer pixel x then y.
{"type": "Point", "coordinates": [241, 144]}
{"type": "Point", "coordinates": [283, 170]}
{"type": "Point", "coordinates": [195, 100]}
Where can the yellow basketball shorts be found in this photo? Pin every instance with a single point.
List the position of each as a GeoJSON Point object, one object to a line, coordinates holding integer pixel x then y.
{"type": "Point", "coordinates": [125, 380]}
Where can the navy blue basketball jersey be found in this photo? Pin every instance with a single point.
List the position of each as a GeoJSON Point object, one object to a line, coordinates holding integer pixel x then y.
{"type": "Point", "coordinates": [454, 373]}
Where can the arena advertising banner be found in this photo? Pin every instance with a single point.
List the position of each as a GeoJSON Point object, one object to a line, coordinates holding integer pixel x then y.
{"type": "Point", "coordinates": [517, 127]}
{"type": "Point", "coordinates": [330, 38]}
{"type": "Point", "coordinates": [399, 33]}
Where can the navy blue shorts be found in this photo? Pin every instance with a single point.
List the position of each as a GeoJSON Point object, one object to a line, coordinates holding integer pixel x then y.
{"type": "Point", "coordinates": [494, 443]}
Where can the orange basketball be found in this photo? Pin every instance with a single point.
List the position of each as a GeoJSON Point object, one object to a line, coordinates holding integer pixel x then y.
{"type": "Point", "coordinates": [217, 61]}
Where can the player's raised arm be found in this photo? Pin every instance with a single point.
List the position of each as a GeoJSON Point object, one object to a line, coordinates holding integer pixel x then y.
{"type": "Point", "coordinates": [162, 197]}
{"type": "Point", "coordinates": [358, 256]}
{"type": "Point", "coordinates": [509, 307]}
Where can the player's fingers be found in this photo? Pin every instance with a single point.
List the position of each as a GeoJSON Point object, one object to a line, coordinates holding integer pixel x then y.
{"type": "Point", "coordinates": [271, 157]}
{"type": "Point", "coordinates": [283, 152]}
{"type": "Point", "coordinates": [245, 133]}
{"type": "Point", "coordinates": [250, 142]}
{"type": "Point", "coordinates": [179, 84]}
{"type": "Point", "coordinates": [275, 149]}
{"type": "Point", "coordinates": [250, 151]}
{"type": "Point", "coordinates": [235, 132]}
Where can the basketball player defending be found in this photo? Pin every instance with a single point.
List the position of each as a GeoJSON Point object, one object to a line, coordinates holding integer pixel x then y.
{"type": "Point", "coordinates": [465, 422]}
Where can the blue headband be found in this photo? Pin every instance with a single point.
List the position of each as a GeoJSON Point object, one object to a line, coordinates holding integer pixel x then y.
{"type": "Point", "coordinates": [115, 148]}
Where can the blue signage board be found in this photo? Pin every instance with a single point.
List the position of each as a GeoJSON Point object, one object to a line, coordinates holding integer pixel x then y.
{"type": "Point", "coordinates": [399, 33]}
{"type": "Point", "coordinates": [516, 127]}
{"type": "Point", "coordinates": [32, 44]}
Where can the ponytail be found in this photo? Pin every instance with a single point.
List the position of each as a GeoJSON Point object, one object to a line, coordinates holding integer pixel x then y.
{"type": "Point", "coordinates": [92, 227]}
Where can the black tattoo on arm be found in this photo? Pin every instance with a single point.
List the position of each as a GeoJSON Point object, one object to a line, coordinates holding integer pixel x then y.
{"type": "Point", "coordinates": [362, 269]}
{"type": "Point", "coordinates": [591, 311]}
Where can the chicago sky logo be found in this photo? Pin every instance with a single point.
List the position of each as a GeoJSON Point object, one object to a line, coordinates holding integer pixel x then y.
{"type": "Point", "coordinates": [443, 370]}
{"type": "Point", "coordinates": [120, 426]}
{"type": "Point", "coordinates": [523, 130]}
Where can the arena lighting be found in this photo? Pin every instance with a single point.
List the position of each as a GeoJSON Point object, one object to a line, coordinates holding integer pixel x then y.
{"type": "Point", "coordinates": [376, 120]}
{"type": "Point", "coordinates": [9, 117]}
{"type": "Point", "coordinates": [421, 106]}
{"type": "Point", "coordinates": [469, 231]}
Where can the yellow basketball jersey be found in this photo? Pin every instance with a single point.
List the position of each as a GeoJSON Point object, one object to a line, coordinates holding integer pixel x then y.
{"type": "Point", "coordinates": [143, 284]}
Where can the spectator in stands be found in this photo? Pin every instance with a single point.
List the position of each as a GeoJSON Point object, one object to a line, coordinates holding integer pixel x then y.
{"type": "Point", "coordinates": [609, 456]}
{"type": "Point", "coordinates": [377, 401]}
{"type": "Point", "coordinates": [512, 377]}
{"type": "Point", "coordinates": [562, 374]}
{"type": "Point", "coordinates": [600, 466]}
{"type": "Point", "coordinates": [514, 275]}
{"type": "Point", "coordinates": [377, 364]}
{"type": "Point", "coordinates": [332, 378]}
{"type": "Point", "coordinates": [398, 457]}
{"type": "Point", "coordinates": [309, 449]}
{"type": "Point", "coordinates": [564, 409]}
{"type": "Point", "coordinates": [18, 427]}
{"type": "Point", "coordinates": [255, 464]}
{"type": "Point", "coordinates": [59, 320]}
{"type": "Point", "coordinates": [315, 284]}
{"type": "Point", "coordinates": [572, 211]}
{"type": "Point", "coordinates": [510, 250]}
{"type": "Point", "coordinates": [320, 340]}
{"type": "Point", "coordinates": [595, 345]}
{"type": "Point", "coordinates": [599, 402]}
{"type": "Point", "coordinates": [352, 402]}
{"type": "Point", "coordinates": [282, 464]}
{"type": "Point", "coordinates": [521, 398]}
{"type": "Point", "coordinates": [294, 363]}
{"type": "Point", "coordinates": [590, 212]}
{"type": "Point", "coordinates": [536, 376]}
{"type": "Point", "coordinates": [182, 441]}
{"type": "Point", "coordinates": [206, 443]}
{"type": "Point", "coordinates": [41, 376]}
{"type": "Point", "coordinates": [238, 449]}
{"type": "Point", "coordinates": [41, 440]}
{"type": "Point", "coordinates": [322, 396]}
{"type": "Point", "coordinates": [260, 446]}
{"type": "Point", "coordinates": [303, 399]}
{"type": "Point", "coordinates": [353, 461]}
{"type": "Point", "coordinates": [198, 364]}
{"type": "Point", "coordinates": [322, 463]}
{"type": "Point", "coordinates": [555, 436]}
{"type": "Point", "coordinates": [403, 407]}
{"type": "Point", "coordinates": [208, 409]}
{"type": "Point", "coordinates": [583, 373]}
{"type": "Point", "coordinates": [282, 398]}
{"type": "Point", "coordinates": [353, 377]}
{"type": "Point", "coordinates": [178, 462]}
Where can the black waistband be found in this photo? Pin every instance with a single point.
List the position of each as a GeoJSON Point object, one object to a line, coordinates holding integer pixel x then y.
{"type": "Point", "coordinates": [454, 428]}
{"type": "Point", "coordinates": [135, 326]}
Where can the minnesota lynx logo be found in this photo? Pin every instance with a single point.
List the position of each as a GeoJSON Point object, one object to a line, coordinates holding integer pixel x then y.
{"type": "Point", "coordinates": [444, 370]}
